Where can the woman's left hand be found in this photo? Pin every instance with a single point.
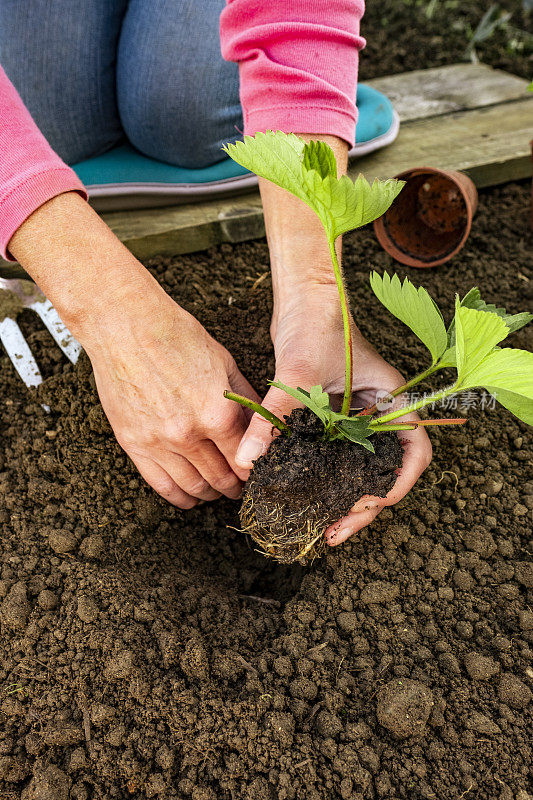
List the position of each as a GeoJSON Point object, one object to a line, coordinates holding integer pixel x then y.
{"type": "Point", "coordinates": [308, 341]}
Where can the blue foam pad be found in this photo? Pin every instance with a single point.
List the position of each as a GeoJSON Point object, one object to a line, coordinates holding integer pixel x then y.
{"type": "Point", "coordinates": [376, 115]}
{"type": "Point", "coordinates": [124, 164]}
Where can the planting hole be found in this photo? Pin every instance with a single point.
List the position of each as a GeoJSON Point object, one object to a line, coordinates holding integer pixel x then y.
{"type": "Point", "coordinates": [275, 581]}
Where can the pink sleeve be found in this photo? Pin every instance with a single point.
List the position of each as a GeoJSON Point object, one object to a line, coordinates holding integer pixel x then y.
{"type": "Point", "coordinates": [30, 172]}
{"type": "Point", "coordinates": [298, 63]}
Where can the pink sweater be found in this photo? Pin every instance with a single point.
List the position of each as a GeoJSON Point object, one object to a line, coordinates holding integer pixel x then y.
{"type": "Point", "coordinates": [298, 72]}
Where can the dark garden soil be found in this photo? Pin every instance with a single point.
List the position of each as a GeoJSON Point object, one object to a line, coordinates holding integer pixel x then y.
{"type": "Point", "coordinates": [404, 35]}
{"type": "Point", "coordinates": [10, 304]}
{"type": "Point", "coordinates": [149, 653]}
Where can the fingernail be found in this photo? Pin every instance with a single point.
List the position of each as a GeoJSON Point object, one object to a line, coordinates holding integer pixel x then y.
{"type": "Point", "coordinates": [365, 505]}
{"type": "Point", "coordinates": [249, 451]}
{"type": "Point", "coordinates": [340, 534]}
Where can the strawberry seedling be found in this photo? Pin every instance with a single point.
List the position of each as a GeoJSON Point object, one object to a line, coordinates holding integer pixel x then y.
{"type": "Point", "coordinates": [289, 521]}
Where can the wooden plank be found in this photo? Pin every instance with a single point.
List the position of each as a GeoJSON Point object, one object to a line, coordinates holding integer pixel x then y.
{"type": "Point", "coordinates": [490, 144]}
{"type": "Point", "coordinates": [432, 92]}
{"type": "Point", "coordinates": [488, 137]}
{"type": "Point", "coordinates": [188, 228]}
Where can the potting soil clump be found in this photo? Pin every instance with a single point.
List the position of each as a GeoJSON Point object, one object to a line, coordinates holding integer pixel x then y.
{"type": "Point", "coordinates": [304, 483]}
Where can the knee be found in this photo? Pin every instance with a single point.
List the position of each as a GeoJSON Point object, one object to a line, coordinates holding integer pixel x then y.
{"type": "Point", "coordinates": [186, 129]}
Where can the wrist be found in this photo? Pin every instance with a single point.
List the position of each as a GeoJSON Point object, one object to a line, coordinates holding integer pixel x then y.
{"type": "Point", "coordinates": [111, 306]}
{"type": "Point", "coordinates": [308, 304]}
{"type": "Point", "coordinates": [299, 249]}
{"type": "Point", "coordinates": [301, 260]}
{"type": "Point", "coordinates": [302, 274]}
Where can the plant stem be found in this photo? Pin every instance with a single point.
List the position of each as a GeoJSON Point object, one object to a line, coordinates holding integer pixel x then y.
{"type": "Point", "coordinates": [258, 409]}
{"type": "Point", "coordinates": [395, 426]}
{"type": "Point", "coordinates": [425, 401]}
{"type": "Point", "coordinates": [400, 389]}
{"type": "Point", "coordinates": [348, 354]}
{"type": "Point", "coordinates": [423, 423]}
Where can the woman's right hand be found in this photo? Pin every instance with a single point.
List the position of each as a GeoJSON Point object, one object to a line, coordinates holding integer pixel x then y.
{"type": "Point", "coordinates": [161, 379]}
{"type": "Point", "coordinates": [160, 376]}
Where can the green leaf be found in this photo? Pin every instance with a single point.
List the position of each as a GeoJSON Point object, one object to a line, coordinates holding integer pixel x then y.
{"type": "Point", "coordinates": [508, 375]}
{"type": "Point", "coordinates": [448, 358]}
{"type": "Point", "coordinates": [309, 171]}
{"type": "Point", "coordinates": [474, 300]}
{"type": "Point", "coordinates": [356, 429]}
{"type": "Point", "coordinates": [318, 396]}
{"type": "Point", "coordinates": [517, 404]}
{"type": "Point", "coordinates": [477, 334]}
{"type": "Point", "coordinates": [321, 410]}
{"type": "Point", "coordinates": [343, 205]}
{"type": "Point", "coordinates": [272, 155]}
{"type": "Point", "coordinates": [320, 157]}
{"type": "Point", "coordinates": [516, 321]}
{"type": "Point", "coordinates": [415, 308]}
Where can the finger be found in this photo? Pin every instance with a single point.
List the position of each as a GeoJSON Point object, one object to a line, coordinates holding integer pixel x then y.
{"type": "Point", "coordinates": [367, 502]}
{"type": "Point", "coordinates": [162, 483]}
{"type": "Point", "coordinates": [416, 457]}
{"type": "Point", "coordinates": [259, 434]}
{"type": "Point", "coordinates": [215, 469]}
{"type": "Point", "coordinates": [228, 447]}
{"type": "Point", "coordinates": [417, 452]}
{"type": "Point", "coordinates": [187, 477]}
{"type": "Point", "coordinates": [353, 522]}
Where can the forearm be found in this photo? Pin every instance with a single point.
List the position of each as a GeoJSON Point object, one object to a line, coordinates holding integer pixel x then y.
{"type": "Point", "coordinates": [299, 250]}
{"type": "Point", "coordinates": [78, 262]}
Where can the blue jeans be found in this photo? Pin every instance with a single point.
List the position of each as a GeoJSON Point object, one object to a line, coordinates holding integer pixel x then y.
{"type": "Point", "coordinates": [95, 73]}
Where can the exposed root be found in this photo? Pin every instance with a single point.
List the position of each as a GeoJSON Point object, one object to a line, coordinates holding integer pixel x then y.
{"type": "Point", "coordinates": [448, 472]}
{"type": "Point", "coordinates": [283, 535]}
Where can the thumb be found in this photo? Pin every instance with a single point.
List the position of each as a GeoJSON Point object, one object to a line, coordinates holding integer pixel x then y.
{"type": "Point", "coordinates": [260, 432]}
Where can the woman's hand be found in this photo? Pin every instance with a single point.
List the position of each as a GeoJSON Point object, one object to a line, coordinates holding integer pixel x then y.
{"type": "Point", "coordinates": [308, 340]}
{"type": "Point", "coordinates": [161, 380]}
{"type": "Point", "coordinates": [160, 376]}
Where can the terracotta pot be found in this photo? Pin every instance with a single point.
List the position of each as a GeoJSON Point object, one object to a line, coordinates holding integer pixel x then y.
{"type": "Point", "coordinates": [430, 220]}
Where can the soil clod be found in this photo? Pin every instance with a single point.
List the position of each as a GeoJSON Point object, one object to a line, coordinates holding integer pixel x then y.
{"type": "Point", "coordinates": [404, 707]}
